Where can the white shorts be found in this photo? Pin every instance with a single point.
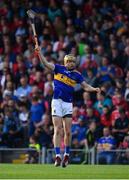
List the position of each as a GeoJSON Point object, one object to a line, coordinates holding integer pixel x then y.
{"type": "Point", "coordinates": [61, 108]}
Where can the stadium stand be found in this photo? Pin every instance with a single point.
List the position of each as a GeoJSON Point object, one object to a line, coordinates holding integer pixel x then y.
{"type": "Point", "coordinates": [97, 33]}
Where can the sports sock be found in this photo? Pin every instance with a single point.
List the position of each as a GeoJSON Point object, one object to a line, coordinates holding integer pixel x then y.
{"type": "Point", "coordinates": [67, 150]}
{"type": "Point", "coordinates": [57, 151]}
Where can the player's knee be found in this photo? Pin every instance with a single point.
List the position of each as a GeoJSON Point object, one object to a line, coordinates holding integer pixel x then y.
{"type": "Point", "coordinates": [67, 133]}
{"type": "Point", "coordinates": [57, 131]}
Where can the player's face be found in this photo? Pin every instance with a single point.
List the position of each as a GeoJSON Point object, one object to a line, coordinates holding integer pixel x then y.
{"type": "Point", "coordinates": [70, 65]}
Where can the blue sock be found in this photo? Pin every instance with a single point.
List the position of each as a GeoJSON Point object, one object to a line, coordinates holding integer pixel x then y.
{"type": "Point", "coordinates": [57, 150]}
{"type": "Point", "coordinates": [67, 149]}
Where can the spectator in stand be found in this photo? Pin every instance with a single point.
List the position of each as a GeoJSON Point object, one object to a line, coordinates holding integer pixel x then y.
{"type": "Point", "coordinates": [75, 115]}
{"type": "Point", "coordinates": [88, 64]}
{"type": "Point", "coordinates": [126, 96]}
{"type": "Point", "coordinates": [43, 131]}
{"type": "Point", "coordinates": [28, 53]}
{"type": "Point", "coordinates": [126, 58]}
{"type": "Point", "coordinates": [105, 72]}
{"type": "Point", "coordinates": [23, 100]}
{"type": "Point", "coordinates": [36, 112]}
{"type": "Point", "coordinates": [87, 101]}
{"type": "Point", "coordinates": [92, 115]}
{"type": "Point", "coordinates": [38, 80]}
{"type": "Point", "coordinates": [102, 101]}
{"type": "Point", "coordinates": [21, 30]}
{"type": "Point", "coordinates": [34, 151]}
{"type": "Point", "coordinates": [19, 66]}
{"type": "Point", "coordinates": [49, 81]}
{"type": "Point", "coordinates": [75, 125]}
{"type": "Point", "coordinates": [12, 134]}
{"type": "Point", "coordinates": [9, 87]}
{"type": "Point", "coordinates": [108, 88]}
{"type": "Point", "coordinates": [19, 45]}
{"type": "Point", "coordinates": [82, 129]}
{"type": "Point", "coordinates": [91, 78]}
{"type": "Point", "coordinates": [35, 65]}
{"type": "Point", "coordinates": [121, 126]}
{"type": "Point", "coordinates": [78, 131]}
{"type": "Point", "coordinates": [105, 117]}
{"type": "Point", "coordinates": [79, 21]}
{"type": "Point", "coordinates": [59, 26]}
{"type": "Point", "coordinates": [87, 52]}
{"type": "Point", "coordinates": [59, 45]}
{"type": "Point", "coordinates": [4, 76]}
{"type": "Point", "coordinates": [104, 145]}
{"type": "Point", "coordinates": [13, 106]}
{"type": "Point", "coordinates": [118, 98]}
{"type": "Point", "coordinates": [99, 54]}
{"type": "Point", "coordinates": [90, 138]}
{"type": "Point", "coordinates": [123, 157]}
{"type": "Point", "coordinates": [48, 98]}
{"type": "Point", "coordinates": [120, 85]}
{"type": "Point", "coordinates": [1, 129]}
{"type": "Point", "coordinates": [53, 10]}
{"type": "Point", "coordinates": [83, 47]}
{"type": "Point", "coordinates": [127, 75]}
{"type": "Point", "coordinates": [24, 119]}
{"type": "Point", "coordinates": [24, 87]}
{"type": "Point", "coordinates": [6, 97]}
{"type": "Point", "coordinates": [115, 57]}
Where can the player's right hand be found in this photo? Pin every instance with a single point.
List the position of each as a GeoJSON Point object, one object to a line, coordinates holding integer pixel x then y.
{"type": "Point", "coordinates": [37, 49]}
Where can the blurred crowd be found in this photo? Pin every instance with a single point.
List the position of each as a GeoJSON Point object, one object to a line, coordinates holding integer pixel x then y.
{"type": "Point", "coordinates": [97, 33]}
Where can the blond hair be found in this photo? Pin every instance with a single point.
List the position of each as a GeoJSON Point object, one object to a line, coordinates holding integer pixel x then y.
{"type": "Point", "coordinates": [69, 57]}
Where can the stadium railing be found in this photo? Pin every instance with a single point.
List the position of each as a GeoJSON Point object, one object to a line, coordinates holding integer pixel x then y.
{"type": "Point", "coordinates": [116, 156]}
{"type": "Point", "coordinates": [19, 155]}
{"type": "Point", "coordinates": [77, 156]}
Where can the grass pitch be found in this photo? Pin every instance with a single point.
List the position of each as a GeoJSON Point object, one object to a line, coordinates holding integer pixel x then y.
{"type": "Point", "coordinates": [28, 171]}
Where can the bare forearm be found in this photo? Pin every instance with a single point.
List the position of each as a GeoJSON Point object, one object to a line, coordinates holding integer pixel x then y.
{"type": "Point", "coordinates": [89, 88]}
{"type": "Point", "coordinates": [44, 61]}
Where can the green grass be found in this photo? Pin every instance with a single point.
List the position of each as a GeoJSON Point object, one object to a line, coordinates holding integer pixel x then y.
{"type": "Point", "coordinates": [24, 171]}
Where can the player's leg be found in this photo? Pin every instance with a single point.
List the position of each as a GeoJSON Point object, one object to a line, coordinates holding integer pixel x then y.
{"type": "Point", "coordinates": [67, 121]}
{"type": "Point", "coordinates": [67, 139]}
{"type": "Point", "coordinates": [57, 123]}
{"type": "Point", "coordinates": [67, 133]}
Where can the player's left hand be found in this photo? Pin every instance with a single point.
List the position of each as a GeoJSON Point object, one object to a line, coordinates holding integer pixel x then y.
{"type": "Point", "coordinates": [97, 90]}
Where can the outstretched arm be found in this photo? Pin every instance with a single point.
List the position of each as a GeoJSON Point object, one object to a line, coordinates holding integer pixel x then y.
{"type": "Point", "coordinates": [89, 88]}
{"type": "Point", "coordinates": [43, 60]}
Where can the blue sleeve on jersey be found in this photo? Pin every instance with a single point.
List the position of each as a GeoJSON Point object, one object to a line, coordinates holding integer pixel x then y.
{"type": "Point", "coordinates": [80, 79]}
{"type": "Point", "coordinates": [57, 67]}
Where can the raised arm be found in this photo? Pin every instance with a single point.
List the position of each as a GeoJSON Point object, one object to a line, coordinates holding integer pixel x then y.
{"type": "Point", "coordinates": [89, 88]}
{"type": "Point", "coordinates": [43, 60]}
